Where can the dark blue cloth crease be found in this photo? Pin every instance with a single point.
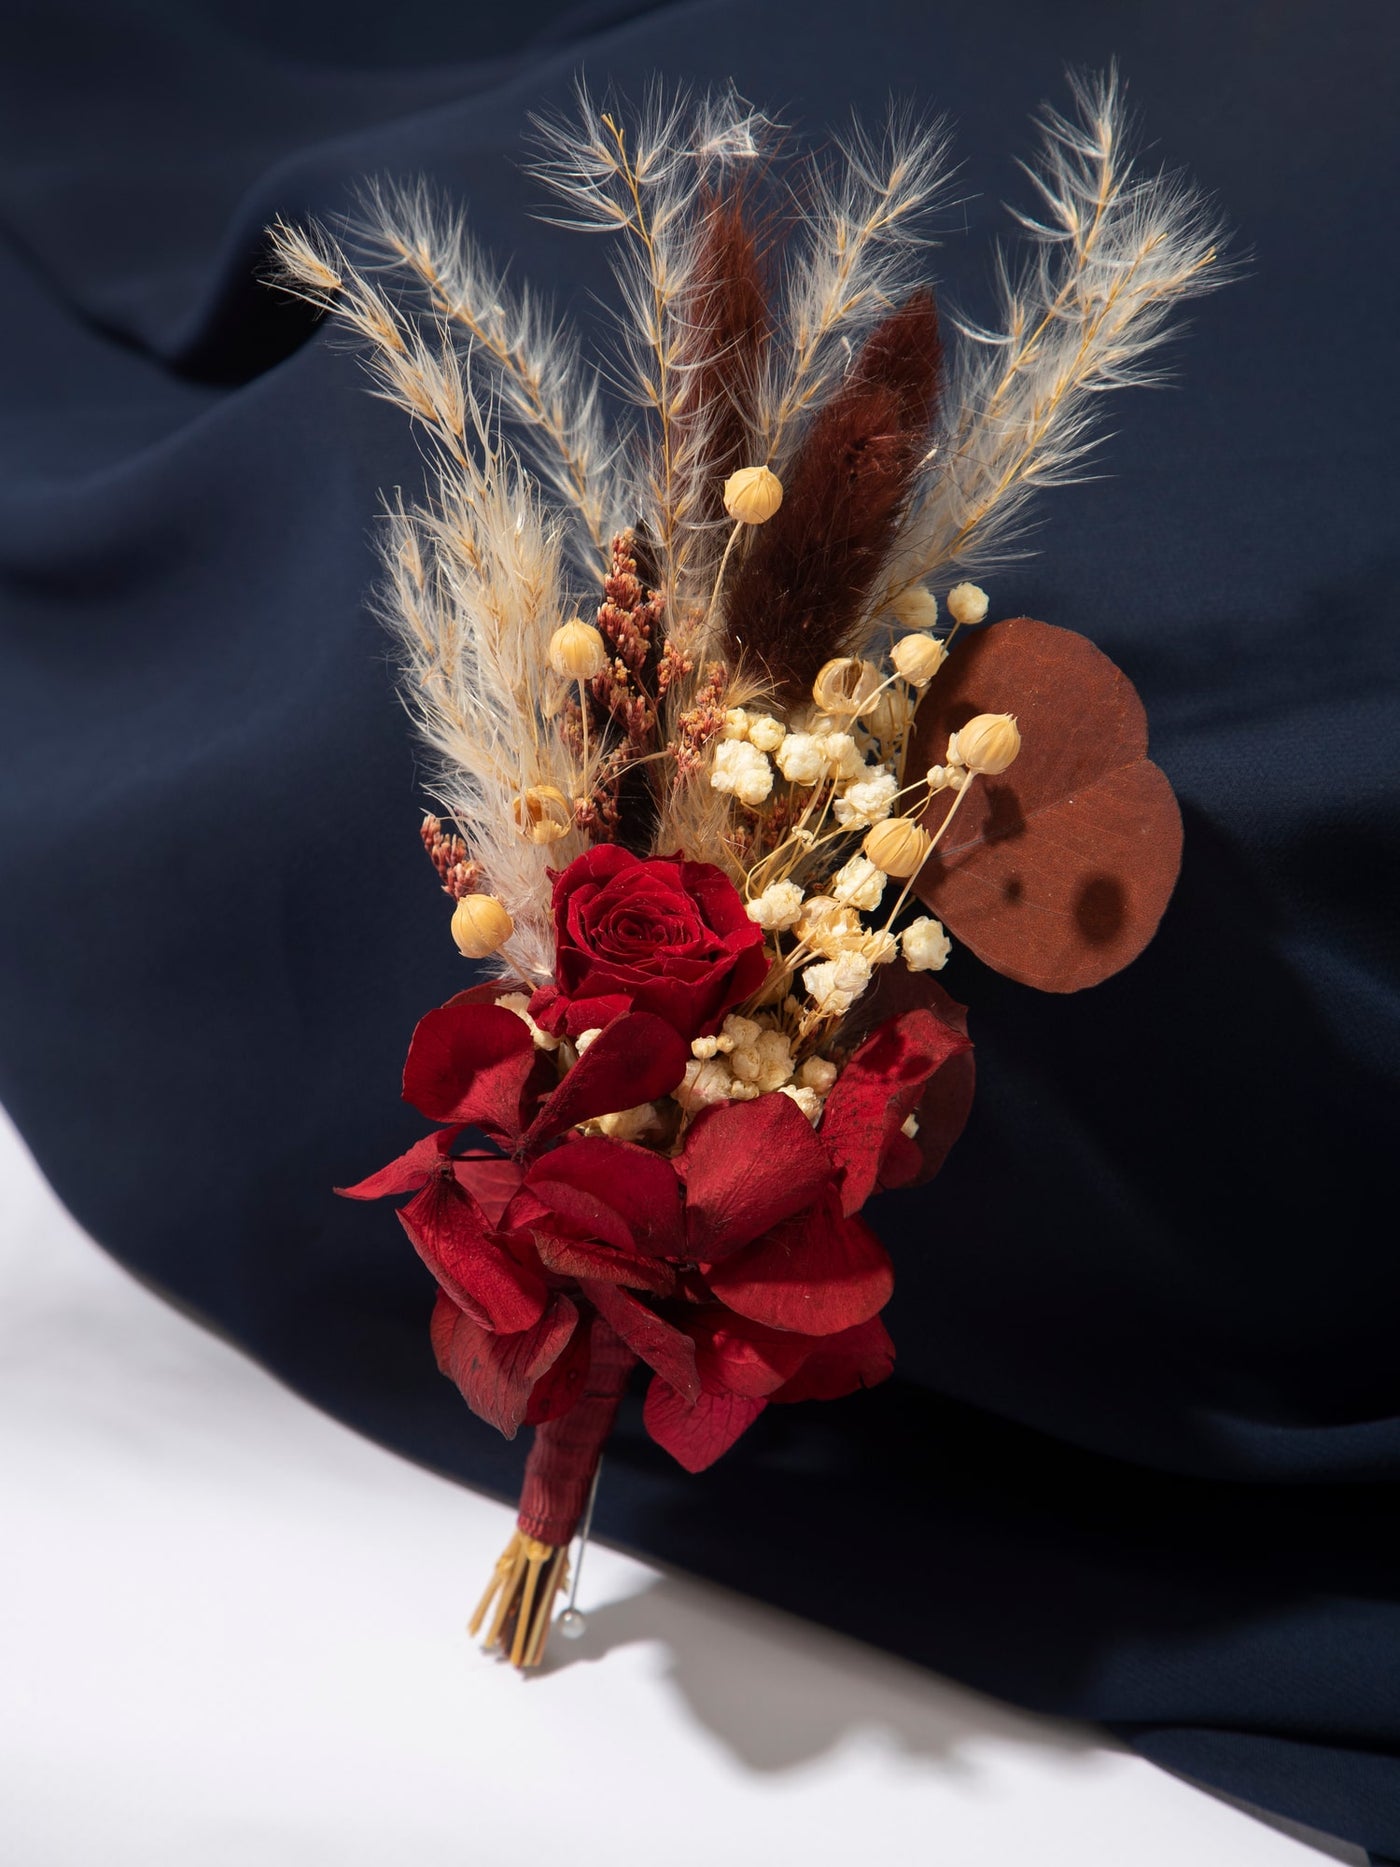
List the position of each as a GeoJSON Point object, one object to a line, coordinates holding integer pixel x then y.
{"type": "Point", "coordinates": [1145, 1434]}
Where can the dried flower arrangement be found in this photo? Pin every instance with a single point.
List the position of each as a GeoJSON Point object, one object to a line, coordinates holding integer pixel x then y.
{"type": "Point", "coordinates": [718, 776]}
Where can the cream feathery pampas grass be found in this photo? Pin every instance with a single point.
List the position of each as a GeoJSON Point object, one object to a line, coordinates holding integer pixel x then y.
{"type": "Point", "coordinates": [474, 598]}
{"type": "Point", "coordinates": [533, 363]}
{"type": "Point", "coordinates": [645, 178]}
{"type": "Point", "coordinates": [473, 593]}
{"type": "Point", "coordinates": [1113, 251]}
{"type": "Point", "coordinates": [862, 234]}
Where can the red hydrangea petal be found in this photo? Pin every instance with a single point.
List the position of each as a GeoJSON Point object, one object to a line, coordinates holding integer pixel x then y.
{"type": "Point", "coordinates": [635, 1059]}
{"type": "Point", "coordinates": [816, 1274]}
{"type": "Point", "coordinates": [841, 1364]}
{"type": "Point", "coordinates": [563, 1382]}
{"type": "Point", "coordinates": [409, 1171]}
{"type": "Point", "coordinates": [622, 1194]}
{"type": "Point", "coordinates": [451, 1234]}
{"type": "Point", "coordinates": [946, 1101]}
{"type": "Point", "coordinates": [669, 1352]}
{"type": "Point", "coordinates": [734, 1355]}
{"type": "Point", "coordinates": [590, 1262]}
{"type": "Point", "coordinates": [942, 1109]}
{"type": "Point", "coordinates": [578, 1216]}
{"type": "Point", "coordinates": [471, 1064]}
{"type": "Point", "coordinates": [696, 1435]}
{"type": "Point", "coordinates": [497, 1374]}
{"type": "Point", "coordinates": [876, 1093]}
{"type": "Point", "coordinates": [488, 991]}
{"type": "Point", "coordinates": [491, 1180]}
{"type": "Point", "coordinates": [746, 1167]}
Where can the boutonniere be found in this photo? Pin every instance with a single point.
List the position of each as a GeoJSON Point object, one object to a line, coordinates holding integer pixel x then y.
{"type": "Point", "coordinates": [729, 757]}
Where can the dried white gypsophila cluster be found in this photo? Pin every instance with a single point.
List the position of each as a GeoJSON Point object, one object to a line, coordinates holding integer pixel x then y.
{"type": "Point", "coordinates": [750, 1057]}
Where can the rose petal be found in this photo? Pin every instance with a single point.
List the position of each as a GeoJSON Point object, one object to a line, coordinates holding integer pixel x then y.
{"type": "Point", "coordinates": [750, 970]}
{"type": "Point", "coordinates": [746, 1166]}
{"type": "Point", "coordinates": [636, 1059]}
{"type": "Point", "coordinates": [450, 1233]}
{"type": "Point", "coordinates": [497, 1374]}
{"type": "Point", "coordinates": [840, 1364]}
{"type": "Point", "coordinates": [471, 1064]}
{"type": "Point", "coordinates": [409, 1171]}
{"type": "Point", "coordinates": [671, 938]}
{"type": "Point", "coordinates": [817, 1274]}
{"type": "Point", "coordinates": [568, 1017]}
{"type": "Point", "coordinates": [651, 1339]}
{"type": "Point", "coordinates": [718, 899]}
{"type": "Point", "coordinates": [877, 1091]}
{"type": "Point", "coordinates": [695, 1435]}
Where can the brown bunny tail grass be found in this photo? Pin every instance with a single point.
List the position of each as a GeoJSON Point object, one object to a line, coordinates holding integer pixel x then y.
{"type": "Point", "coordinates": [801, 590]}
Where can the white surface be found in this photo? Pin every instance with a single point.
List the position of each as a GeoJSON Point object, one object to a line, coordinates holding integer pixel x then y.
{"type": "Point", "coordinates": [232, 1637]}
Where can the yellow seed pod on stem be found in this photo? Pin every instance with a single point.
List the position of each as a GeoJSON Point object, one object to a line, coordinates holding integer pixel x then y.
{"type": "Point", "coordinates": [480, 926]}
{"type": "Point", "coordinates": [989, 743]}
{"type": "Point", "coordinates": [916, 607]}
{"type": "Point", "coordinates": [917, 658]}
{"type": "Point", "coordinates": [544, 814]}
{"type": "Point", "coordinates": [897, 847]}
{"type": "Point", "coordinates": [845, 686]}
{"type": "Point", "coordinates": [967, 604]}
{"type": "Point", "coordinates": [577, 651]}
{"type": "Point", "coordinates": [752, 495]}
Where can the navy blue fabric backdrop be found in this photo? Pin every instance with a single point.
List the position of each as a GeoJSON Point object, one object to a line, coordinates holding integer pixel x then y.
{"type": "Point", "coordinates": [1143, 1448]}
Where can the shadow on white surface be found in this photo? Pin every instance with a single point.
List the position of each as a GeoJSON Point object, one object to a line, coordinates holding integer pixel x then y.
{"type": "Point", "coordinates": [782, 1711]}
{"type": "Point", "coordinates": [804, 1690]}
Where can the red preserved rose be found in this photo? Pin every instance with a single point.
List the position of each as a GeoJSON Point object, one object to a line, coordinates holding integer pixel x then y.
{"type": "Point", "coordinates": [659, 935]}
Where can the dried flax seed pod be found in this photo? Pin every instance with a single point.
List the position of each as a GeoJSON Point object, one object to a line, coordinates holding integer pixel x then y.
{"type": "Point", "coordinates": [967, 604]}
{"type": "Point", "coordinates": [577, 651]}
{"type": "Point", "coordinates": [989, 743]}
{"type": "Point", "coordinates": [845, 686]}
{"type": "Point", "coordinates": [897, 847]}
{"type": "Point", "coordinates": [544, 814]}
{"type": "Point", "coordinates": [752, 495]}
{"type": "Point", "coordinates": [480, 926]}
{"type": "Point", "coordinates": [916, 607]}
{"type": "Point", "coordinates": [917, 658]}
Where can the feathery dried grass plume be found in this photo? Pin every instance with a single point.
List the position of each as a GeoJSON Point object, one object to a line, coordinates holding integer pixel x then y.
{"type": "Point", "coordinates": [473, 598]}
{"type": "Point", "coordinates": [474, 592]}
{"type": "Point", "coordinates": [862, 232]}
{"type": "Point", "coordinates": [528, 360]}
{"type": "Point", "coordinates": [654, 182]}
{"type": "Point", "coordinates": [420, 376]}
{"type": "Point", "coordinates": [1115, 250]}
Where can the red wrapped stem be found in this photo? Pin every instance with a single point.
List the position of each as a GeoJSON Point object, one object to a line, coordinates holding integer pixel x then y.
{"type": "Point", "coordinates": [566, 1451]}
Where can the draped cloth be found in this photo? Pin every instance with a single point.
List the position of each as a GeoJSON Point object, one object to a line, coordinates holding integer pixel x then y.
{"type": "Point", "coordinates": [1139, 1462]}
